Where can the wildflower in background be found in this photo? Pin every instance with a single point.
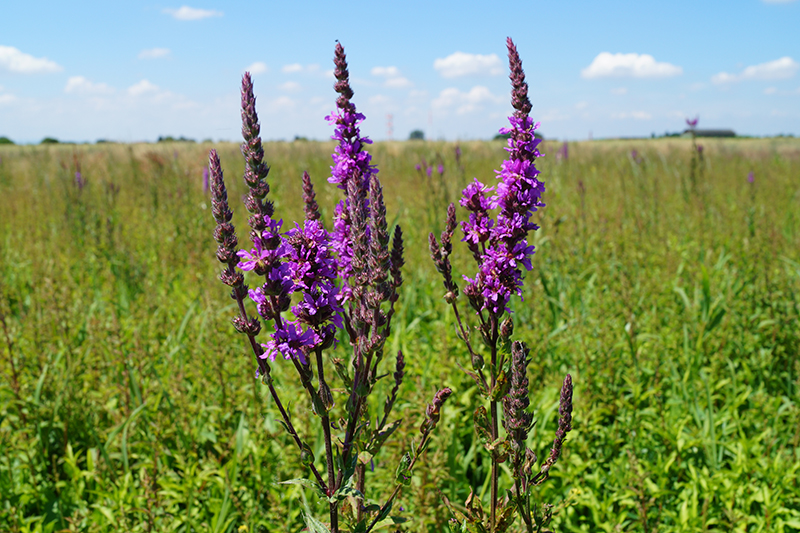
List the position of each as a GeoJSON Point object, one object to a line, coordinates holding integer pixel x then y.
{"type": "Point", "coordinates": [563, 153]}
{"type": "Point", "coordinates": [751, 177]}
{"type": "Point", "coordinates": [692, 123]}
{"type": "Point", "coordinates": [79, 181]}
{"type": "Point", "coordinates": [205, 180]}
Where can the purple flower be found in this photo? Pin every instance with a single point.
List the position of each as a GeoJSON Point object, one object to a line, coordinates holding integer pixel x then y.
{"type": "Point", "coordinates": [268, 248]}
{"type": "Point", "coordinates": [205, 179]}
{"type": "Point", "coordinates": [429, 171]}
{"type": "Point", "coordinates": [440, 169]}
{"type": "Point", "coordinates": [692, 122]}
{"type": "Point", "coordinates": [312, 269]}
{"type": "Point", "coordinates": [517, 196]}
{"type": "Point", "coordinates": [563, 152]}
{"type": "Point", "coordinates": [291, 342]}
{"type": "Point", "coordinates": [751, 178]}
{"type": "Point", "coordinates": [79, 181]}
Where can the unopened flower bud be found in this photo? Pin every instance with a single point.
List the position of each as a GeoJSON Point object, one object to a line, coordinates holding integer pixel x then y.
{"type": "Point", "coordinates": [507, 328]}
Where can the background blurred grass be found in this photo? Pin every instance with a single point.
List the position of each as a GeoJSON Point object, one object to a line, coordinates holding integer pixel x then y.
{"type": "Point", "coordinates": [127, 401]}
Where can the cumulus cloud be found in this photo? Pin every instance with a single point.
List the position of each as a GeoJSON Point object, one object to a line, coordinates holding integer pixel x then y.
{"type": "Point", "coordinates": [637, 115]}
{"type": "Point", "coordinates": [7, 98]}
{"type": "Point", "coordinates": [259, 67]}
{"type": "Point", "coordinates": [153, 53]}
{"type": "Point", "coordinates": [780, 69]}
{"type": "Point", "coordinates": [290, 87]}
{"type": "Point", "coordinates": [620, 91]}
{"type": "Point", "coordinates": [294, 67]}
{"type": "Point", "coordinates": [142, 87]}
{"type": "Point", "coordinates": [192, 13]}
{"type": "Point", "coordinates": [14, 60]}
{"type": "Point", "coordinates": [385, 72]}
{"type": "Point", "coordinates": [393, 78]}
{"type": "Point", "coordinates": [462, 102]}
{"type": "Point", "coordinates": [80, 85]}
{"type": "Point", "coordinates": [608, 65]}
{"type": "Point", "coordinates": [461, 64]}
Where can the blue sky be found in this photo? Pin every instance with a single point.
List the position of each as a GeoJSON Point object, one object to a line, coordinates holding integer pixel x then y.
{"type": "Point", "coordinates": [133, 71]}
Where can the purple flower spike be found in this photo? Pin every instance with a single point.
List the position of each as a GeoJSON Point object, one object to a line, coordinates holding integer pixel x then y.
{"type": "Point", "coordinates": [517, 196]}
{"type": "Point", "coordinates": [350, 160]}
{"type": "Point", "coordinates": [351, 171]}
{"type": "Point", "coordinates": [692, 122]}
{"type": "Point", "coordinates": [205, 180]}
{"type": "Point", "coordinates": [751, 178]}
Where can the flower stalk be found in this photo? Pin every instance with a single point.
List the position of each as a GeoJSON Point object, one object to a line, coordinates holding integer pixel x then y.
{"type": "Point", "coordinates": [499, 245]}
{"type": "Point", "coordinates": [316, 288]}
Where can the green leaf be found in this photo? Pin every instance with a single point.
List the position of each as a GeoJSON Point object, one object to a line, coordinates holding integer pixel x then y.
{"type": "Point", "coordinates": [314, 525]}
{"type": "Point", "coordinates": [403, 474]}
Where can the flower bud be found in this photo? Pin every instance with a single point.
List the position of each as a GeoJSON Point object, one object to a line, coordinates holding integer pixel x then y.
{"type": "Point", "coordinates": [507, 328]}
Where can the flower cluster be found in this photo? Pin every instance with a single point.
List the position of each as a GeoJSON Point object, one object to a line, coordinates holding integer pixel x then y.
{"type": "Point", "coordinates": [501, 245]}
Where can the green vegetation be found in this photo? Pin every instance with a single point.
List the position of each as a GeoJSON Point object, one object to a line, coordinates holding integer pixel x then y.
{"type": "Point", "coordinates": [6, 140]}
{"type": "Point", "coordinates": [128, 402]}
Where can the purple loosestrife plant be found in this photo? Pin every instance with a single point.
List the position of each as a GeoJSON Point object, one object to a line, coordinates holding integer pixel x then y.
{"type": "Point", "coordinates": [315, 288]}
{"type": "Point", "coordinates": [696, 167]}
{"type": "Point", "coordinates": [496, 233]}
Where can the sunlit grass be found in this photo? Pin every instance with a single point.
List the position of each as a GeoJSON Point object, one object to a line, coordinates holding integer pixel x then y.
{"type": "Point", "coordinates": [131, 403]}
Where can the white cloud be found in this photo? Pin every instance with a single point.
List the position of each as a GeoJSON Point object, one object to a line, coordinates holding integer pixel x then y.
{"type": "Point", "coordinates": [290, 69]}
{"type": "Point", "coordinates": [461, 64]}
{"type": "Point", "coordinates": [581, 105]}
{"type": "Point", "coordinates": [80, 85]}
{"type": "Point", "coordinates": [770, 90]}
{"type": "Point", "coordinates": [192, 13]}
{"type": "Point", "coordinates": [259, 67]}
{"type": "Point", "coordinates": [780, 69]}
{"type": "Point", "coordinates": [393, 77]}
{"type": "Point", "coordinates": [7, 98]}
{"type": "Point", "coordinates": [290, 87]}
{"type": "Point", "coordinates": [607, 65]}
{"type": "Point", "coordinates": [385, 72]}
{"type": "Point", "coordinates": [465, 102]}
{"type": "Point", "coordinates": [142, 87]}
{"type": "Point", "coordinates": [379, 99]}
{"type": "Point", "coordinates": [637, 115]}
{"type": "Point", "coordinates": [153, 53]}
{"type": "Point", "coordinates": [14, 60]}
{"type": "Point", "coordinates": [620, 91]}
{"type": "Point", "coordinates": [312, 68]}
{"type": "Point", "coordinates": [282, 103]}
{"type": "Point", "coordinates": [398, 83]}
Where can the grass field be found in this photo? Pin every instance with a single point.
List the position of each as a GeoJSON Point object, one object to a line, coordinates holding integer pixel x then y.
{"type": "Point", "coordinates": [129, 403]}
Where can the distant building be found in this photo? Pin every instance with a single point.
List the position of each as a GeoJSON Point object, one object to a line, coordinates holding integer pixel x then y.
{"type": "Point", "coordinates": [711, 133]}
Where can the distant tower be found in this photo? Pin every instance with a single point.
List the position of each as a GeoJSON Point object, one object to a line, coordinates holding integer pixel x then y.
{"type": "Point", "coordinates": [389, 126]}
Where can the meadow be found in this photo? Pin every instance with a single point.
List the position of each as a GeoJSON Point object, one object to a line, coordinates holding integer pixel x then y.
{"type": "Point", "coordinates": [129, 403]}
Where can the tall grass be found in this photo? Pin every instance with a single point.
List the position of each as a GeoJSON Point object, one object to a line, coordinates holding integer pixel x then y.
{"type": "Point", "coordinates": [125, 403]}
